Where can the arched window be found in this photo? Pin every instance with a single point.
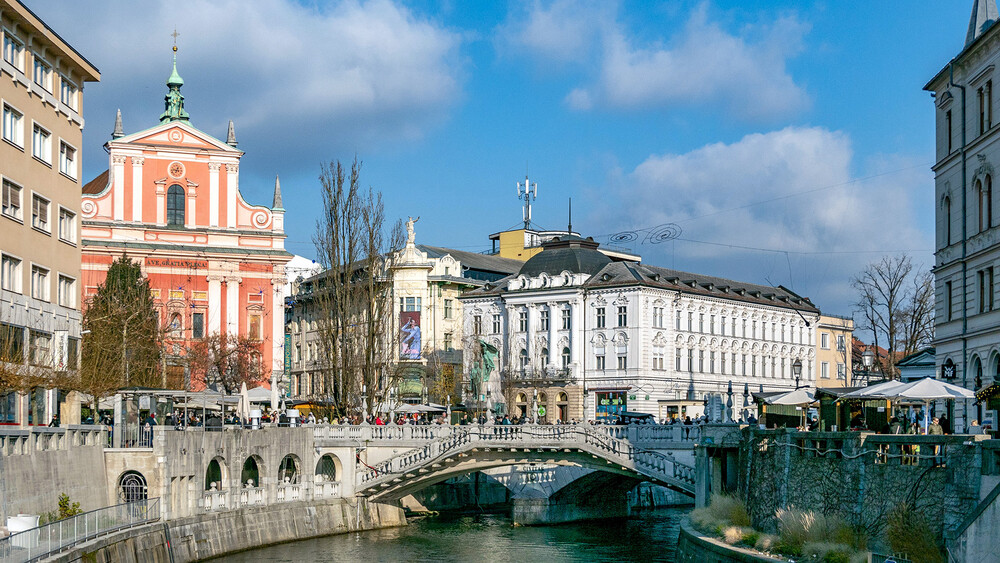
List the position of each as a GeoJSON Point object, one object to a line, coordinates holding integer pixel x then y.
{"type": "Point", "coordinates": [521, 402]}
{"type": "Point", "coordinates": [565, 358]}
{"type": "Point", "coordinates": [545, 356]}
{"type": "Point", "coordinates": [523, 357]}
{"type": "Point", "coordinates": [213, 476]}
{"type": "Point", "coordinates": [543, 403]}
{"type": "Point", "coordinates": [562, 403]}
{"type": "Point", "coordinates": [176, 327]}
{"type": "Point", "coordinates": [288, 471]}
{"type": "Point", "coordinates": [131, 486]}
{"type": "Point", "coordinates": [175, 206]}
{"type": "Point", "coordinates": [250, 476]}
{"type": "Point", "coordinates": [326, 469]}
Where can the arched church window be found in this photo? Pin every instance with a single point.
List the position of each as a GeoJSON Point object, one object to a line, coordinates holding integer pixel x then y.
{"type": "Point", "coordinates": [175, 206]}
{"type": "Point", "coordinates": [947, 221]}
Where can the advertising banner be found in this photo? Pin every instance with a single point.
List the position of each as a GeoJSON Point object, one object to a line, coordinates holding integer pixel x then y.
{"type": "Point", "coordinates": [409, 335]}
{"type": "Point", "coordinates": [288, 355]}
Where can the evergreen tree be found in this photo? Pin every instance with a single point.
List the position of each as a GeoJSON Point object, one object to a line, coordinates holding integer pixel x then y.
{"type": "Point", "coordinates": [121, 344]}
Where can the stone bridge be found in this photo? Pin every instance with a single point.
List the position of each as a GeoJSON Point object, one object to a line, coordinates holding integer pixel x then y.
{"type": "Point", "coordinates": [401, 460]}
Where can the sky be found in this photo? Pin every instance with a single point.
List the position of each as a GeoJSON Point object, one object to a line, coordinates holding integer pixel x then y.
{"type": "Point", "coordinates": [787, 142]}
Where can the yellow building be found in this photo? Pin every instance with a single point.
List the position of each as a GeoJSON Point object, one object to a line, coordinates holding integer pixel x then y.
{"type": "Point", "coordinates": [833, 351]}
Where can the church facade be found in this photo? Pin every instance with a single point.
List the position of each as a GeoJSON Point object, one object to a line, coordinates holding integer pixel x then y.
{"type": "Point", "coordinates": [170, 199]}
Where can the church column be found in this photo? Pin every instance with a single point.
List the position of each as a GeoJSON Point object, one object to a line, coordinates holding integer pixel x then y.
{"type": "Point", "coordinates": [213, 194]}
{"type": "Point", "coordinates": [214, 322]}
{"type": "Point", "coordinates": [190, 219]}
{"type": "Point", "coordinates": [118, 185]}
{"type": "Point", "coordinates": [137, 188]}
{"type": "Point", "coordinates": [233, 284]}
{"type": "Point", "coordinates": [277, 330]}
{"type": "Point", "coordinates": [553, 353]}
{"type": "Point", "coordinates": [232, 186]}
{"type": "Point", "coordinates": [161, 203]}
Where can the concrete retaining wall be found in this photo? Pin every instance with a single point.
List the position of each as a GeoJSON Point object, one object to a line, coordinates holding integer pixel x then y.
{"type": "Point", "coordinates": [212, 535]}
{"type": "Point", "coordinates": [694, 548]}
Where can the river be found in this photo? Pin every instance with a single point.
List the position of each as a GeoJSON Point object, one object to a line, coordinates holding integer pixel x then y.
{"type": "Point", "coordinates": [649, 535]}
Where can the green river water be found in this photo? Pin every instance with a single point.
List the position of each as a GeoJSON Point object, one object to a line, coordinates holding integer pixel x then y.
{"type": "Point", "coordinates": [649, 535]}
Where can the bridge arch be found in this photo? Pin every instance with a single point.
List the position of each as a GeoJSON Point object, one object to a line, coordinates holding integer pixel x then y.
{"type": "Point", "coordinates": [252, 472]}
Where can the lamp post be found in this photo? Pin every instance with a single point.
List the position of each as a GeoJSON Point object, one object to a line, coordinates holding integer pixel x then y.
{"type": "Point", "coordinates": [797, 371]}
{"type": "Point", "coordinates": [867, 357]}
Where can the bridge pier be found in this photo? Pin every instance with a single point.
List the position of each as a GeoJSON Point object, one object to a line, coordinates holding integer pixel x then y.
{"type": "Point", "coordinates": [545, 511]}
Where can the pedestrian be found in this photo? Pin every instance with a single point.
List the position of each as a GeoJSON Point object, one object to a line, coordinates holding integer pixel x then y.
{"type": "Point", "coordinates": [55, 421]}
{"type": "Point", "coordinates": [935, 428]}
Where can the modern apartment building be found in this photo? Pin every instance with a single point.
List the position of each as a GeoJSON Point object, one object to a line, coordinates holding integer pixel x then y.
{"type": "Point", "coordinates": [41, 94]}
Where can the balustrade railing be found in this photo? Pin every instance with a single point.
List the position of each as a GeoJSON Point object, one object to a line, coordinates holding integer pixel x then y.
{"type": "Point", "coordinates": [654, 464]}
{"type": "Point", "coordinates": [326, 489]}
{"type": "Point", "coordinates": [216, 500]}
{"type": "Point", "coordinates": [40, 542]}
{"type": "Point", "coordinates": [250, 496]}
{"type": "Point", "coordinates": [289, 492]}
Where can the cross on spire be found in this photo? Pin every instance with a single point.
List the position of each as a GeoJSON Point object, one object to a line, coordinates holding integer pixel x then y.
{"type": "Point", "coordinates": [174, 35]}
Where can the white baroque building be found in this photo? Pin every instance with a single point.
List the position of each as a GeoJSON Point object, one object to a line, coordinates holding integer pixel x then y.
{"type": "Point", "coordinates": [581, 336]}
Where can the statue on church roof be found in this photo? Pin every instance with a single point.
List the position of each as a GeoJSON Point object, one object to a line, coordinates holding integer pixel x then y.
{"type": "Point", "coordinates": [410, 235]}
{"type": "Point", "coordinates": [174, 102]}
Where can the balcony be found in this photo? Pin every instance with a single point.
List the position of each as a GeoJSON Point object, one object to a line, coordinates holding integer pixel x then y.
{"type": "Point", "coordinates": [533, 375]}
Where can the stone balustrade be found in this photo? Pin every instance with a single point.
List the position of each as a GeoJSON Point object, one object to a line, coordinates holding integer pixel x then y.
{"type": "Point", "coordinates": [25, 441]}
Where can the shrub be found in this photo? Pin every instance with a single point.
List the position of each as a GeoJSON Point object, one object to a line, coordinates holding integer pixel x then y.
{"type": "Point", "coordinates": [66, 509]}
{"type": "Point", "coordinates": [827, 552]}
{"type": "Point", "coordinates": [732, 535]}
{"type": "Point", "coordinates": [909, 532]}
{"type": "Point", "coordinates": [729, 509]}
{"type": "Point", "coordinates": [750, 537]}
{"type": "Point", "coordinates": [766, 542]}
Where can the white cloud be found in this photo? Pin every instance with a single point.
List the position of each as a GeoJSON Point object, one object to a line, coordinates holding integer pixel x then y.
{"type": "Point", "coordinates": [297, 79]}
{"type": "Point", "coordinates": [702, 64]}
{"type": "Point", "coordinates": [790, 190]}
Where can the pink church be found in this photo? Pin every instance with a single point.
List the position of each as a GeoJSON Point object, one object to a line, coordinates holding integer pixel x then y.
{"type": "Point", "coordinates": [216, 264]}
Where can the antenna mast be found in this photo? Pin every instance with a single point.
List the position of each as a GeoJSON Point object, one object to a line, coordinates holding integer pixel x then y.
{"type": "Point", "coordinates": [527, 191]}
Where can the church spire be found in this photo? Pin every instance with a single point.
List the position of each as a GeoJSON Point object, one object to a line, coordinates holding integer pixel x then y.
{"type": "Point", "coordinates": [984, 15]}
{"type": "Point", "coordinates": [277, 205]}
{"type": "Point", "coordinates": [119, 132]}
{"type": "Point", "coordinates": [231, 137]}
{"type": "Point", "coordinates": [173, 102]}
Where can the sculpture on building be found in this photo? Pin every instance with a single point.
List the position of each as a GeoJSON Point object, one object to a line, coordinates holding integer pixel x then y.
{"type": "Point", "coordinates": [410, 236]}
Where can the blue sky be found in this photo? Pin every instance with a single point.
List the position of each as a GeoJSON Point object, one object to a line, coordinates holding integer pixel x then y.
{"type": "Point", "coordinates": [795, 127]}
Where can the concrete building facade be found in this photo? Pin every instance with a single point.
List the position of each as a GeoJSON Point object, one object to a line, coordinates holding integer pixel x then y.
{"type": "Point", "coordinates": [41, 98]}
{"type": "Point", "coordinates": [967, 257]}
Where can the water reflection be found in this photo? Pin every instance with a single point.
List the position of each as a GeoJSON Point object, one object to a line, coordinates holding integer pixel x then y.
{"type": "Point", "coordinates": [647, 536]}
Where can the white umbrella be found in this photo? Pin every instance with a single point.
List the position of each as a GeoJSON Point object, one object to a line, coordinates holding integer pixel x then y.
{"type": "Point", "coordinates": [796, 397]}
{"type": "Point", "coordinates": [882, 390]}
{"type": "Point", "coordinates": [243, 408]}
{"type": "Point", "coordinates": [930, 389]}
{"type": "Point", "coordinates": [260, 395]}
{"type": "Point", "coordinates": [274, 396]}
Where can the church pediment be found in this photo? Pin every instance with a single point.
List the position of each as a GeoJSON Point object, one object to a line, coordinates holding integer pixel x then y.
{"type": "Point", "coordinates": [177, 134]}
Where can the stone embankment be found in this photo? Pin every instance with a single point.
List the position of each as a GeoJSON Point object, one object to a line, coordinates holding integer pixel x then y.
{"type": "Point", "coordinates": [205, 536]}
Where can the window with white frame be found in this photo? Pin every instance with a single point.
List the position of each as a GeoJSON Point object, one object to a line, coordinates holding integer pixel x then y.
{"type": "Point", "coordinates": [40, 213]}
{"type": "Point", "coordinates": [10, 273]}
{"type": "Point", "coordinates": [13, 51]}
{"type": "Point", "coordinates": [543, 320]}
{"type": "Point", "coordinates": [496, 324]}
{"type": "Point", "coordinates": [41, 144]}
{"type": "Point", "coordinates": [67, 225]}
{"type": "Point", "coordinates": [841, 371]}
{"type": "Point", "coordinates": [522, 321]}
{"type": "Point", "coordinates": [622, 316]}
{"type": "Point", "coordinates": [43, 73]}
{"type": "Point", "coordinates": [67, 92]}
{"type": "Point", "coordinates": [658, 317]}
{"type": "Point", "coordinates": [409, 304]}
{"type": "Point", "coordinates": [824, 370]}
{"type": "Point", "coordinates": [622, 362]}
{"type": "Point", "coordinates": [449, 343]}
{"type": "Point", "coordinates": [67, 159]}
{"type": "Point", "coordinates": [658, 353]}
{"type": "Point", "coordinates": [824, 340]}
{"type": "Point", "coordinates": [10, 194]}
{"type": "Point", "coordinates": [67, 286]}
{"type": "Point", "coordinates": [565, 357]}
{"type": "Point", "coordinates": [477, 324]}
{"type": "Point", "coordinates": [601, 318]}
{"type": "Point", "coordinates": [600, 363]}
{"type": "Point", "coordinates": [677, 359]}
{"type": "Point", "coordinates": [566, 320]}
{"type": "Point", "coordinates": [40, 348]}
{"type": "Point", "coordinates": [841, 343]}
{"type": "Point", "coordinates": [39, 283]}
{"type": "Point", "coordinates": [447, 308]}
{"type": "Point", "coordinates": [13, 125]}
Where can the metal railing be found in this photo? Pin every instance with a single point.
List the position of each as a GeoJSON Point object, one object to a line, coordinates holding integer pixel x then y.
{"type": "Point", "coordinates": [37, 543]}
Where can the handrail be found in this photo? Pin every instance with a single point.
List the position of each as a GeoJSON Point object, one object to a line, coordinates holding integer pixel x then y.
{"type": "Point", "coordinates": [650, 463]}
{"type": "Point", "coordinates": [38, 543]}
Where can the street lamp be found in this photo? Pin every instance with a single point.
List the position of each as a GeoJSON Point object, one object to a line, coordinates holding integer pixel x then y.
{"type": "Point", "coordinates": [867, 357]}
{"type": "Point", "coordinates": [797, 371]}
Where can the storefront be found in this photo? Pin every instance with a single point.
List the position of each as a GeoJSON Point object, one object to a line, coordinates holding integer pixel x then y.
{"type": "Point", "coordinates": [679, 409]}
{"type": "Point", "coordinates": [610, 402]}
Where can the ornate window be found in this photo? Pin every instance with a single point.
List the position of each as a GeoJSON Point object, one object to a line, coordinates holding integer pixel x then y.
{"type": "Point", "coordinates": [132, 486]}
{"type": "Point", "coordinates": [175, 206]}
{"type": "Point", "coordinates": [565, 358]}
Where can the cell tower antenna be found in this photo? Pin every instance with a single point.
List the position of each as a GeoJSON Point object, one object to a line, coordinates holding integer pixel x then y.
{"type": "Point", "coordinates": [528, 192]}
{"type": "Point", "coordinates": [569, 228]}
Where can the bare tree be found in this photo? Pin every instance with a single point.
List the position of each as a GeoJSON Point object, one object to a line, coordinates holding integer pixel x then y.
{"type": "Point", "coordinates": [226, 361]}
{"type": "Point", "coordinates": [353, 295]}
{"type": "Point", "coordinates": [896, 305]}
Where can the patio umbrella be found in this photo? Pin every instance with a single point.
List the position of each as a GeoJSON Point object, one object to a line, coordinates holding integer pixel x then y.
{"type": "Point", "coordinates": [796, 397]}
{"type": "Point", "coordinates": [928, 390]}
{"type": "Point", "coordinates": [243, 408]}
{"type": "Point", "coordinates": [261, 395]}
{"type": "Point", "coordinates": [882, 390]}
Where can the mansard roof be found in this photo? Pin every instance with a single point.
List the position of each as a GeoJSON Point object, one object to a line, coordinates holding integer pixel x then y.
{"type": "Point", "coordinates": [474, 260]}
{"type": "Point", "coordinates": [630, 274]}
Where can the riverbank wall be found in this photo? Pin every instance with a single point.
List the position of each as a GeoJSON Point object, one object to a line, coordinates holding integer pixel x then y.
{"type": "Point", "coordinates": [692, 547]}
{"type": "Point", "coordinates": [206, 536]}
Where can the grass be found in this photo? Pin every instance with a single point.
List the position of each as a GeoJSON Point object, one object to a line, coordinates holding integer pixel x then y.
{"type": "Point", "coordinates": [909, 532]}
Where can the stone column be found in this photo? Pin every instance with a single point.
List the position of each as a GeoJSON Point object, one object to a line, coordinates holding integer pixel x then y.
{"type": "Point", "coordinates": [213, 193]}
{"type": "Point", "coordinates": [553, 354]}
{"type": "Point", "coordinates": [214, 321]}
{"type": "Point", "coordinates": [529, 334]}
{"type": "Point", "coordinates": [118, 186]}
{"type": "Point", "coordinates": [190, 219]}
{"type": "Point", "coordinates": [233, 284]}
{"type": "Point", "coordinates": [137, 162]}
{"type": "Point", "coordinates": [232, 187]}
